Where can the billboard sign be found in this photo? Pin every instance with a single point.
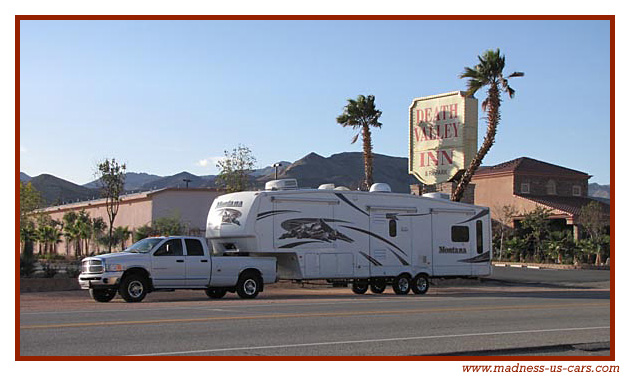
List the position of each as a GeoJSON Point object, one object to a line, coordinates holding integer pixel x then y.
{"type": "Point", "coordinates": [442, 136]}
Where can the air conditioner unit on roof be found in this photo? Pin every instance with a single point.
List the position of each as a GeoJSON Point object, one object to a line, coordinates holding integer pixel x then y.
{"type": "Point", "coordinates": [281, 185]}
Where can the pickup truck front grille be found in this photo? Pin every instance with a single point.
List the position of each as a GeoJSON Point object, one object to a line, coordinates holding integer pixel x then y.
{"type": "Point", "coordinates": [92, 266]}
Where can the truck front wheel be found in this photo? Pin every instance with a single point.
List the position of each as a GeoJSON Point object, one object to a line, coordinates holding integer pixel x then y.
{"type": "Point", "coordinates": [134, 288]}
{"type": "Point", "coordinates": [216, 292]}
{"type": "Point", "coordinates": [102, 295]}
{"type": "Point", "coordinates": [249, 285]}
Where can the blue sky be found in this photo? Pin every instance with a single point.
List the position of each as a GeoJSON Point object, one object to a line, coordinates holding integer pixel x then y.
{"type": "Point", "coordinates": [170, 96]}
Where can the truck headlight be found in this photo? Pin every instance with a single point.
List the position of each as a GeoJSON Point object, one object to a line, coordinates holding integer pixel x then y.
{"type": "Point", "coordinates": [114, 267]}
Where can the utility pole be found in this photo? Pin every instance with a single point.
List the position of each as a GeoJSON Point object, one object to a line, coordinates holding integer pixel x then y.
{"type": "Point", "coordinates": [187, 181]}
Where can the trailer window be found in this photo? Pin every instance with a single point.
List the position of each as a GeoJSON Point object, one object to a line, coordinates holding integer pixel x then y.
{"type": "Point", "coordinates": [479, 237]}
{"type": "Point", "coordinates": [392, 228]}
{"type": "Point", "coordinates": [459, 234]}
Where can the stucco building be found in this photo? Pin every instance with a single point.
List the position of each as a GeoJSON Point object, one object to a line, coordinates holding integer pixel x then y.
{"type": "Point", "coordinates": [190, 205]}
{"type": "Point", "coordinates": [526, 183]}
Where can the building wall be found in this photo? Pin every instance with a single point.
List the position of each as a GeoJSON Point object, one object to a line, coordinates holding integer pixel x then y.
{"type": "Point", "coordinates": [538, 185]}
{"type": "Point", "coordinates": [191, 206]}
{"type": "Point", "coordinates": [496, 192]}
{"type": "Point", "coordinates": [131, 213]}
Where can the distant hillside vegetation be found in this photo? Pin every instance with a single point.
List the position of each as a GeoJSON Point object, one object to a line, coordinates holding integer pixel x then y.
{"type": "Point", "coordinates": [57, 191]}
{"type": "Point", "coordinates": [601, 191]}
{"type": "Point", "coordinates": [346, 169]}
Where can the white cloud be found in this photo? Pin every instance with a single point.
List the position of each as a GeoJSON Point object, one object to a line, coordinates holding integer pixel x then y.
{"type": "Point", "coordinates": [209, 162]}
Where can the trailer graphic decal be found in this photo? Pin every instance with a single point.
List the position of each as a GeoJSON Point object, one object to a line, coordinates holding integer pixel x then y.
{"type": "Point", "coordinates": [370, 259]}
{"type": "Point", "coordinates": [292, 245]}
{"type": "Point", "coordinates": [229, 216]}
{"type": "Point", "coordinates": [273, 212]}
{"type": "Point", "coordinates": [313, 228]}
{"type": "Point", "coordinates": [377, 237]}
{"type": "Point", "coordinates": [484, 257]}
{"type": "Point", "coordinates": [402, 260]}
{"type": "Point", "coordinates": [345, 199]}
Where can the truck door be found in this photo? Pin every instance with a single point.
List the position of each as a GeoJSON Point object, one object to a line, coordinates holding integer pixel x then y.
{"type": "Point", "coordinates": [390, 243]}
{"type": "Point", "coordinates": [197, 264]}
{"type": "Point", "coordinates": [453, 243]}
{"type": "Point", "coordinates": [169, 267]}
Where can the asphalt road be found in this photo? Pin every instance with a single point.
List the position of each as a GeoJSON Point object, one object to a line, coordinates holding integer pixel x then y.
{"type": "Point", "coordinates": [482, 319]}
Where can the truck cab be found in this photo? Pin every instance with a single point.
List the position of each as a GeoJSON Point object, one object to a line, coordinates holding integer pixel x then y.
{"type": "Point", "coordinates": [173, 262]}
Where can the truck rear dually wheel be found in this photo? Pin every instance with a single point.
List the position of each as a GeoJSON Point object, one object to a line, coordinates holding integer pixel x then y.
{"type": "Point", "coordinates": [249, 285]}
{"type": "Point", "coordinates": [102, 295]}
{"type": "Point", "coordinates": [134, 288]}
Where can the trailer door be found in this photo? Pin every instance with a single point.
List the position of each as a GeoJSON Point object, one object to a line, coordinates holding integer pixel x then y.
{"type": "Point", "coordinates": [453, 243]}
{"type": "Point", "coordinates": [390, 242]}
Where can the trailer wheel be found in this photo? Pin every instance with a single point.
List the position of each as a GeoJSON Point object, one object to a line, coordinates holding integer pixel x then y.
{"type": "Point", "coordinates": [420, 284]}
{"type": "Point", "coordinates": [134, 288]}
{"type": "Point", "coordinates": [102, 295]}
{"type": "Point", "coordinates": [216, 292]}
{"type": "Point", "coordinates": [359, 286]}
{"type": "Point", "coordinates": [249, 285]}
{"type": "Point", "coordinates": [378, 286]}
{"type": "Point", "coordinates": [401, 285]}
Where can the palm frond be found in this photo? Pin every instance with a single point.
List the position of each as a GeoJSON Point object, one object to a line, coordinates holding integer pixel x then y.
{"type": "Point", "coordinates": [355, 138]}
{"type": "Point", "coordinates": [516, 74]}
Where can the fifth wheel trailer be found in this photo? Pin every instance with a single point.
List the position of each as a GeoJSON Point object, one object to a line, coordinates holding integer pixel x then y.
{"type": "Point", "coordinates": [371, 239]}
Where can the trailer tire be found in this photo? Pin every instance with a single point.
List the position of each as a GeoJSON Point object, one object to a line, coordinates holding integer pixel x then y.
{"type": "Point", "coordinates": [249, 285]}
{"type": "Point", "coordinates": [359, 287]}
{"type": "Point", "coordinates": [401, 284]}
{"type": "Point", "coordinates": [378, 286]}
{"type": "Point", "coordinates": [216, 292]}
{"type": "Point", "coordinates": [134, 288]}
{"type": "Point", "coordinates": [420, 284]}
{"type": "Point", "coordinates": [102, 295]}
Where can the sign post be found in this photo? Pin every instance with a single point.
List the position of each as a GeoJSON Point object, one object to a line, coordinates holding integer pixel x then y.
{"type": "Point", "coordinates": [442, 136]}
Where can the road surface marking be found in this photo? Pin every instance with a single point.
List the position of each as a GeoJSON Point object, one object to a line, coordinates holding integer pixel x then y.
{"type": "Point", "coordinates": [370, 341]}
{"type": "Point", "coordinates": [303, 315]}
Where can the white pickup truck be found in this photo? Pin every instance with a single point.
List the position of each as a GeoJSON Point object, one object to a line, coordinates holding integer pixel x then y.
{"type": "Point", "coordinates": [175, 262]}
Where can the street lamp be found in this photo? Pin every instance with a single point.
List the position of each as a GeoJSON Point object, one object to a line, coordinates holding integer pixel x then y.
{"type": "Point", "coordinates": [275, 166]}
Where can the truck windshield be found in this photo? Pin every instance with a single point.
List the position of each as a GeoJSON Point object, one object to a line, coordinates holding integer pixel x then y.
{"type": "Point", "coordinates": [143, 246]}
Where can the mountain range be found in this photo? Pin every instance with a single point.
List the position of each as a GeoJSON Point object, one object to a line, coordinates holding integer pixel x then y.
{"type": "Point", "coordinates": [310, 171]}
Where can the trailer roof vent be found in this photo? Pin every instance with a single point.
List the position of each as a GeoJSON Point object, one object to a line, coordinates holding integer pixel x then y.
{"type": "Point", "coordinates": [380, 187]}
{"type": "Point", "coordinates": [281, 185]}
{"type": "Point", "coordinates": [440, 195]}
{"type": "Point", "coordinates": [327, 186]}
{"type": "Point", "coordinates": [342, 188]}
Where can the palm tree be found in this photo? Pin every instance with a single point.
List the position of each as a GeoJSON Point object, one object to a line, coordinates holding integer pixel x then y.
{"type": "Point", "coordinates": [121, 234]}
{"type": "Point", "coordinates": [98, 228]}
{"type": "Point", "coordinates": [361, 114]}
{"type": "Point", "coordinates": [489, 72]}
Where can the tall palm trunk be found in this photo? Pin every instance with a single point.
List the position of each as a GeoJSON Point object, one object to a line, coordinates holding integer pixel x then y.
{"type": "Point", "coordinates": [367, 156]}
{"type": "Point", "coordinates": [494, 101]}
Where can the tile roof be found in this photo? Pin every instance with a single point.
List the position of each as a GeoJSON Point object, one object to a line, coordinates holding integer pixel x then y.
{"type": "Point", "coordinates": [571, 205]}
{"type": "Point", "coordinates": [528, 165]}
